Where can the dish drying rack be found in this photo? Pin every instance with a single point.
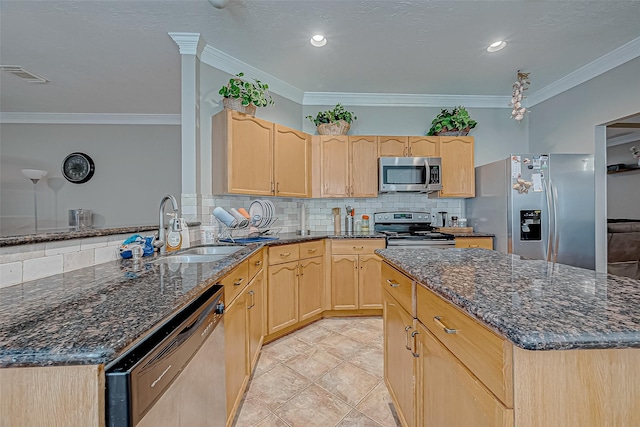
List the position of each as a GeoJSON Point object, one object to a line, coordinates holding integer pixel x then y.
{"type": "Point", "coordinates": [246, 233]}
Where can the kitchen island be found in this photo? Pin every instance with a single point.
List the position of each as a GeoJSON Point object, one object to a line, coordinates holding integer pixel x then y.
{"type": "Point", "coordinates": [494, 339]}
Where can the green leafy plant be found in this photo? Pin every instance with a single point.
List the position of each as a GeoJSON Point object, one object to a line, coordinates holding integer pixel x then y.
{"type": "Point", "coordinates": [256, 93]}
{"type": "Point", "coordinates": [456, 120]}
{"type": "Point", "coordinates": [332, 116]}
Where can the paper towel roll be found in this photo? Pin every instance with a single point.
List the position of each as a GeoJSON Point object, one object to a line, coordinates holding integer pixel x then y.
{"type": "Point", "coordinates": [225, 217]}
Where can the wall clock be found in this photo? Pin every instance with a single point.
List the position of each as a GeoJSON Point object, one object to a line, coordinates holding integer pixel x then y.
{"type": "Point", "coordinates": [78, 168]}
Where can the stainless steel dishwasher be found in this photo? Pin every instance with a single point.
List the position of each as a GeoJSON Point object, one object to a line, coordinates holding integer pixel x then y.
{"type": "Point", "coordinates": [175, 376]}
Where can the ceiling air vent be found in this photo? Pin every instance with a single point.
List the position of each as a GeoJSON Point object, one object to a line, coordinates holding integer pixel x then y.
{"type": "Point", "coordinates": [28, 76]}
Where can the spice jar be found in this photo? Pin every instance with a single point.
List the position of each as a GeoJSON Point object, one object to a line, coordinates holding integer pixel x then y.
{"type": "Point", "coordinates": [454, 221]}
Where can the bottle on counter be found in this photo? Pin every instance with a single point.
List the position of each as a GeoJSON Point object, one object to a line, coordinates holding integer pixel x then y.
{"type": "Point", "coordinates": [174, 238]}
{"type": "Point", "coordinates": [365, 224]}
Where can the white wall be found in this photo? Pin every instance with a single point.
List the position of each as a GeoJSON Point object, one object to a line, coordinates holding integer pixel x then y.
{"type": "Point", "coordinates": [566, 122]}
{"type": "Point", "coordinates": [135, 166]}
{"type": "Point", "coordinates": [623, 189]}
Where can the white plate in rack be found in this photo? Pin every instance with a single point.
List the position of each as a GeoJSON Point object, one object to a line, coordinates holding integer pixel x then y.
{"type": "Point", "coordinates": [272, 212]}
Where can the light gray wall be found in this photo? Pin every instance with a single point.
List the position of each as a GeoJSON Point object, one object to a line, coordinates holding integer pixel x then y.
{"type": "Point", "coordinates": [496, 136]}
{"type": "Point", "coordinates": [135, 166]}
{"type": "Point", "coordinates": [623, 189]}
{"type": "Point", "coordinates": [566, 122]}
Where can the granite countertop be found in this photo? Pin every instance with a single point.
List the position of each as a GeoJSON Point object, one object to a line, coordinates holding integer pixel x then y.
{"type": "Point", "coordinates": [91, 315]}
{"type": "Point", "coordinates": [535, 304]}
{"type": "Point", "coordinates": [52, 236]}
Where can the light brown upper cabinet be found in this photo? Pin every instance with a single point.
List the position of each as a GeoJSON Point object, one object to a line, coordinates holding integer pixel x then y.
{"type": "Point", "coordinates": [408, 146]}
{"type": "Point", "coordinates": [257, 157]}
{"type": "Point", "coordinates": [458, 173]}
{"type": "Point", "coordinates": [291, 162]}
{"type": "Point", "coordinates": [348, 166]}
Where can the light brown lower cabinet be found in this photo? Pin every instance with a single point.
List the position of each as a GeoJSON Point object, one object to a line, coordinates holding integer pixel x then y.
{"type": "Point", "coordinates": [296, 287]}
{"type": "Point", "coordinates": [474, 242]}
{"type": "Point", "coordinates": [448, 395]}
{"type": "Point", "coordinates": [399, 362]}
{"type": "Point", "coordinates": [444, 368]}
{"type": "Point", "coordinates": [243, 327]}
{"type": "Point", "coordinates": [355, 274]}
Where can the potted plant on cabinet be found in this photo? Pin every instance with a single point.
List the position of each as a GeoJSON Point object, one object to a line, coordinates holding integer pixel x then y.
{"type": "Point", "coordinates": [333, 122]}
{"type": "Point", "coordinates": [455, 123]}
{"type": "Point", "coordinates": [244, 96]}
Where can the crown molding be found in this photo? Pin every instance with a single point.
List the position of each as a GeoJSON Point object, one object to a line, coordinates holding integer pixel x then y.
{"type": "Point", "coordinates": [611, 60]}
{"type": "Point", "coordinates": [189, 43]}
{"type": "Point", "coordinates": [405, 100]}
{"type": "Point", "coordinates": [227, 63]}
{"type": "Point", "coordinates": [90, 119]}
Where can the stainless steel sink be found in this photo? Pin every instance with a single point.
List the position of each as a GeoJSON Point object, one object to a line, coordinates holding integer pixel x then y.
{"type": "Point", "coordinates": [190, 258]}
{"type": "Point", "coordinates": [212, 250]}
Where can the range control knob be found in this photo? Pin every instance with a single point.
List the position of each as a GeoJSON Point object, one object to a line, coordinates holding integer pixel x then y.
{"type": "Point", "coordinates": [220, 308]}
{"type": "Point", "coordinates": [386, 217]}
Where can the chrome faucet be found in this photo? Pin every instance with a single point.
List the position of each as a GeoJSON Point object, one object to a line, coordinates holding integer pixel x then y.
{"type": "Point", "coordinates": [161, 232]}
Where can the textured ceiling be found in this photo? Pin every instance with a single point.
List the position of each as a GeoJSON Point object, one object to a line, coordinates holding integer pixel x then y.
{"type": "Point", "coordinates": [116, 56]}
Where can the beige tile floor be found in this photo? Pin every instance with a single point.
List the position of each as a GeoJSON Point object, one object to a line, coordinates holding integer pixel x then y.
{"type": "Point", "coordinates": [326, 374]}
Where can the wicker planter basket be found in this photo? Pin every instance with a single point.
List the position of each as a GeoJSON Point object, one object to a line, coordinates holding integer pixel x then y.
{"type": "Point", "coordinates": [338, 128]}
{"type": "Point", "coordinates": [236, 105]}
{"type": "Point", "coordinates": [454, 132]}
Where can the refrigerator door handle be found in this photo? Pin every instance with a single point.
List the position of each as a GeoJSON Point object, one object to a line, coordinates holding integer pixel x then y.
{"type": "Point", "coordinates": [548, 246]}
{"type": "Point", "coordinates": [556, 233]}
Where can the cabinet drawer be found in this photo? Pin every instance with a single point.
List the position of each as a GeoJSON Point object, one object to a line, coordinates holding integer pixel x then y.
{"type": "Point", "coordinates": [474, 242]}
{"type": "Point", "coordinates": [256, 262]}
{"type": "Point", "coordinates": [311, 249]}
{"type": "Point", "coordinates": [487, 355]}
{"type": "Point", "coordinates": [235, 281]}
{"type": "Point", "coordinates": [284, 253]}
{"type": "Point", "coordinates": [398, 286]}
{"type": "Point", "coordinates": [356, 246]}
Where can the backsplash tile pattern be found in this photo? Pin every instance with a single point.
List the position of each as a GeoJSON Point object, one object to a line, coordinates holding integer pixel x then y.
{"type": "Point", "coordinates": [318, 211]}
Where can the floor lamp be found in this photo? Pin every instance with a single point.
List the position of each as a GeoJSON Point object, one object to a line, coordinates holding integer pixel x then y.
{"type": "Point", "coordinates": [34, 175]}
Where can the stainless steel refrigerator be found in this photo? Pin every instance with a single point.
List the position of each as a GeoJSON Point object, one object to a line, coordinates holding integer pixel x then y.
{"type": "Point", "coordinates": [539, 206]}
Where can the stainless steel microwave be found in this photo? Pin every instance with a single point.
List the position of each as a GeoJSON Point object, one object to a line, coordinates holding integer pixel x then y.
{"type": "Point", "coordinates": [422, 174]}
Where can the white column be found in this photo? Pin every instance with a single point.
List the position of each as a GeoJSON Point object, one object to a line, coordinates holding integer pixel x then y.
{"type": "Point", "coordinates": [191, 46]}
{"type": "Point", "coordinates": [600, 164]}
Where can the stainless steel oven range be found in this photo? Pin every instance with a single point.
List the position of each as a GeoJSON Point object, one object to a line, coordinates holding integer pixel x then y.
{"type": "Point", "coordinates": [410, 230]}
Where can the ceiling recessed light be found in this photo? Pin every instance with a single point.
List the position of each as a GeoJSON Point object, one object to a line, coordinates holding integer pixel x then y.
{"type": "Point", "coordinates": [318, 40]}
{"type": "Point", "coordinates": [496, 46]}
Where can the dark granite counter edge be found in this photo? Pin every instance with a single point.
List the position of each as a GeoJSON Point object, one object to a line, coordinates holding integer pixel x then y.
{"type": "Point", "coordinates": [528, 340]}
{"type": "Point", "coordinates": [26, 239]}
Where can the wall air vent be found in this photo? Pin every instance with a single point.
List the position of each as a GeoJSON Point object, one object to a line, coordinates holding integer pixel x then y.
{"type": "Point", "coordinates": [28, 76]}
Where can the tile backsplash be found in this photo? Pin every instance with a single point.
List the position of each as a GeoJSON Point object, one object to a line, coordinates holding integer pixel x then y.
{"type": "Point", "coordinates": [319, 211]}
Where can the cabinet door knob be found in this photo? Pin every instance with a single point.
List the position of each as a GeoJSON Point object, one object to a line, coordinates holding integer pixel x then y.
{"type": "Point", "coordinates": [286, 254]}
{"type": "Point", "coordinates": [258, 263]}
{"type": "Point", "coordinates": [358, 248]}
{"type": "Point", "coordinates": [312, 250]}
{"type": "Point", "coordinates": [438, 322]}
{"type": "Point", "coordinates": [393, 283]}
{"type": "Point", "coordinates": [240, 280]}
{"type": "Point", "coordinates": [473, 246]}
